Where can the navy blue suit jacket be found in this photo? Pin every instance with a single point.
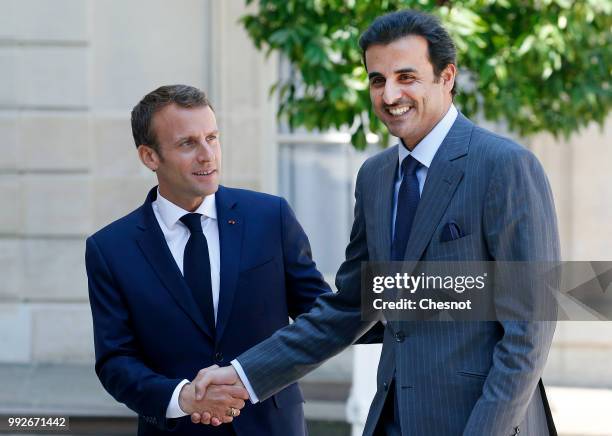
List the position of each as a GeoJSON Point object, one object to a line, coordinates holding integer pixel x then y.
{"type": "Point", "coordinates": [149, 333]}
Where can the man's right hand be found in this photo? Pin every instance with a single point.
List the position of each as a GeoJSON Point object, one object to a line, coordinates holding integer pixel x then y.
{"type": "Point", "coordinates": [218, 402]}
{"type": "Point", "coordinates": [210, 378]}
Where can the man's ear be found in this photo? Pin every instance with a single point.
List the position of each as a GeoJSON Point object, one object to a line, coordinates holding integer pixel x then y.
{"type": "Point", "coordinates": [149, 157]}
{"type": "Point", "coordinates": [448, 76]}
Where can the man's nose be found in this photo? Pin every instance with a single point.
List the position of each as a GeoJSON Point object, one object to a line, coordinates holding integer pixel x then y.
{"type": "Point", "coordinates": [205, 152]}
{"type": "Point", "coordinates": [391, 93]}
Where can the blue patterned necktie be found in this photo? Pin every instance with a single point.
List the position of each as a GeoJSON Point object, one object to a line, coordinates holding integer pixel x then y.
{"type": "Point", "coordinates": [407, 202]}
{"type": "Point", "coordinates": [196, 267]}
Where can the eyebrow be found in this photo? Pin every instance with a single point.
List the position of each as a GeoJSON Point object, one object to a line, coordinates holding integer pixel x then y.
{"type": "Point", "coordinates": [400, 71]}
{"type": "Point", "coordinates": [184, 138]}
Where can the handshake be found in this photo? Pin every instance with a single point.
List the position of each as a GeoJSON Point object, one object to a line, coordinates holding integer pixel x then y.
{"type": "Point", "coordinates": [215, 396]}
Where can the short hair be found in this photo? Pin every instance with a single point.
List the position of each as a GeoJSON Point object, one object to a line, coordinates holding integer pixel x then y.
{"type": "Point", "coordinates": [396, 25]}
{"type": "Point", "coordinates": [142, 115]}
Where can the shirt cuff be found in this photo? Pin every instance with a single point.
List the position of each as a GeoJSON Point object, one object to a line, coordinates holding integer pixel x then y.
{"type": "Point", "coordinates": [174, 409]}
{"type": "Point", "coordinates": [245, 381]}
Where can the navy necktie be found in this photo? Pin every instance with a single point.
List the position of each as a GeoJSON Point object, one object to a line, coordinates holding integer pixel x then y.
{"type": "Point", "coordinates": [407, 202]}
{"type": "Point", "coordinates": [196, 267]}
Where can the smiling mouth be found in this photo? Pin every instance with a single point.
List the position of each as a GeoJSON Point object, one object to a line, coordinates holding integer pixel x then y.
{"type": "Point", "coordinates": [204, 173]}
{"type": "Point", "coordinates": [398, 111]}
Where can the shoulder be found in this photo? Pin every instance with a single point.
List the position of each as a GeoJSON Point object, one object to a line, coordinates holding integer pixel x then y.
{"type": "Point", "coordinates": [249, 198]}
{"type": "Point", "coordinates": [383, 157]}
{"type": "Point", "coordinates": [252, 203]}
{"type": "Point", "coordinates": [379, 160]}
{"type": "Point", "coordinates": [505, 163]}
{"type": "Point", "coordinates": [492, 144]}
{"type": "Point", "coordinates": [498, 151]}
{"type": "Point", "coordinates": [120, 228]}
{"type": "Point", "coordinates": [256, 206]}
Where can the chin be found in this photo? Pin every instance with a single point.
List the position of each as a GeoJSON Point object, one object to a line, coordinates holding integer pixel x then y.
{"type": "Point", "coordinates": [400, 133]}
{"type": "Point", "coordinates": [209, 190]}
{"type": "Point", "coordinates": [398, 128]}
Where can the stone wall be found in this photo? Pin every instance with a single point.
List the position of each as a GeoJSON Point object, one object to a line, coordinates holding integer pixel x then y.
{"type": "Point", "coordinates": [47, 143]}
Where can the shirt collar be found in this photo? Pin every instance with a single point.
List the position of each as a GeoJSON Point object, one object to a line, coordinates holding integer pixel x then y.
{"type": "Point", "coordinates": [425, 150]}
{"type": "Point", "coordinates": [170, 213]}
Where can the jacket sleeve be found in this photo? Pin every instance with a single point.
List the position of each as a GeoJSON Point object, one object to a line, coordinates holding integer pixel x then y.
{"type": "Point", "coordinates": [119, 364]}
{"type": "Point", "coordinates": [520, 226]}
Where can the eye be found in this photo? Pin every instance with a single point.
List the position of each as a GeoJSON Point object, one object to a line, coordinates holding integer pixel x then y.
{"type": "Point", "coordinates": [211, 138]}
{"type": "Point", "coordinates": [406, 77]}
{"type": "Point", "coordinates": [188, 144]}
{"type": "Point", "coordinates": [377, 81]}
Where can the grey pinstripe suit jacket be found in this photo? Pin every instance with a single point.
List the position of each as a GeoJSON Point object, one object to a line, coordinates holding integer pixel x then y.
{"type": "Point", "coordinates": [452, 378]}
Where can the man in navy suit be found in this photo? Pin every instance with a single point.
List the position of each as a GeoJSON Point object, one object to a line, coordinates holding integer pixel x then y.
{"type": "Point", "coordinates": [195, 276]}
{"type": "Point", "coordinates": [449, 191]}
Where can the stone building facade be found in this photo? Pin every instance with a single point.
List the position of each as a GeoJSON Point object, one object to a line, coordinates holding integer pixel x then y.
{"type": "Point", "coordinates": [70, 72]}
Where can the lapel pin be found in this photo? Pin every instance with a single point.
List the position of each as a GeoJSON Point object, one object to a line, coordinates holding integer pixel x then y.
{"type": "Point", "coordinates": [231, 221]}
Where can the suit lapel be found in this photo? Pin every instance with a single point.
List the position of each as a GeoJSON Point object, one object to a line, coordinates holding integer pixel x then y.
{"type": "Point", "coordinates": [383, 204]}
{"type": "Point", "coordinates": [156, 251]}
{"type": "Point", "coordinates": [443, 177]}
{"type": "Point", "coordinates": [231, 227]}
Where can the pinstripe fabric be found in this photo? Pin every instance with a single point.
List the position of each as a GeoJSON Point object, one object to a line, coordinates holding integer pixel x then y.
{"type": "Point", "coordinates": [452, 378]}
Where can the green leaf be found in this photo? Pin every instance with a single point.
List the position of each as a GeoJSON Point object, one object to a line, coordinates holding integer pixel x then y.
{"type": "Point", "coordinates": [541, 66]}
{"type": "Point", "coordinates": [358, 139]}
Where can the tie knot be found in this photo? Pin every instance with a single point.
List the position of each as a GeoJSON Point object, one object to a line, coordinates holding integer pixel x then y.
{"type": "Point", "coordinates": [410, 166]}
{"type": "Point", "coordinates": [193, 222]}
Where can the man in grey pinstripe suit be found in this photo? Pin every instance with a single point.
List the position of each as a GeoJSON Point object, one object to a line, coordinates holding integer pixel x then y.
{"type": "Point", "coordinates": [434, 378]}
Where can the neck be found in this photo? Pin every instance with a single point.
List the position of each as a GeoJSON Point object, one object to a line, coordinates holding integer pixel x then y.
{"type": "Point", "coordinates": [189, 204]}
{"type": "Point", "coordinates": [411, 143]}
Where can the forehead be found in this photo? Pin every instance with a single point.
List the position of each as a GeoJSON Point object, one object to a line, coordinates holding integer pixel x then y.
{"type": "Point", "coordinates": [173, 121]}
{"type": "Point", "coordinates": [407, 52]}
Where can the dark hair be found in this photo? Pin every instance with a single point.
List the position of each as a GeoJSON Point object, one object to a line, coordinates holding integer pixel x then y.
{"type": "Point", "coordinates": [142, 115]}
{"type": "Point", "coordinates": [391, 27]}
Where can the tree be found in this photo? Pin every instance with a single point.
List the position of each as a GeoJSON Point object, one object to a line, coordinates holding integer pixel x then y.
{"type": "Point", "coordinates": [539, 65]}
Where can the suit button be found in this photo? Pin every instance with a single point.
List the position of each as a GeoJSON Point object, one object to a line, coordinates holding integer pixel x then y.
{"type": "Point", "coordinates": [400, 336]}
{"type": "Point", "coordinates": [218, 357]}
{"type": "Point", "coordinates": [386, 386]}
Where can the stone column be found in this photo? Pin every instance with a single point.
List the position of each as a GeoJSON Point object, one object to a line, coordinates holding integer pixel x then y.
{"type": "Point", "coordinates": [365, 365]}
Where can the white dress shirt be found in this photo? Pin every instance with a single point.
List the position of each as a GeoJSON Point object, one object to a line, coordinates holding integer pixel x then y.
{"type": "Point", "coordinates": [423, 152]}
{"type": "Point", "coordinates": [177, 234]}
